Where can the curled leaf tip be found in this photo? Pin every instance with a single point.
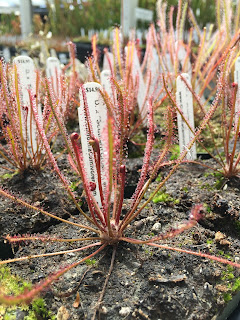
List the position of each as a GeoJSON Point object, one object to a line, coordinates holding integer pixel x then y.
{"type": "Point", "coordinates": [122, 168]}
{"type": "Point", "coordinates": [74, 136]}
{"type": "Point", "coordinates": [94, 142]}
{"type": "Point", "coordinates": [92, 186]}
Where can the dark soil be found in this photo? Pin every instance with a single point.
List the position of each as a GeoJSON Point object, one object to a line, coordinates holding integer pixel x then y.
{"type": "Point", "coordinates": [146, 283]}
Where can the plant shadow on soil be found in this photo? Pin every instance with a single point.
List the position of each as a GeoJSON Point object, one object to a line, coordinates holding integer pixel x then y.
{"type": "Point", "coordinates": [146, 283]}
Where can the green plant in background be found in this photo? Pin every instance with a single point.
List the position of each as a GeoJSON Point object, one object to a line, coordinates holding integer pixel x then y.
{"type": "Point", "coordinates": [175, 152]}
{"type": "Point", "coordinates": [232, 283]}
{"type": "Point", "coordinates": [162, 196]}
{"type": "Point", "coordinates": [67, 18]}
{"type": "Point", "coordinates": [12, 284]}
{"type": "Point", "coordinates": [8, 175]}
{"type": "Point", "coordinates": [91, 262]}
{"type": "Point", "coordinates": [10, 24]}
{"type": "Point", "coordinates": [209, 12]}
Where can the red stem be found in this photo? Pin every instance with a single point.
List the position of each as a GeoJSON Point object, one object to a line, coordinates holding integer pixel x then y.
{"type": "Point", "coordinates": [123, 176]}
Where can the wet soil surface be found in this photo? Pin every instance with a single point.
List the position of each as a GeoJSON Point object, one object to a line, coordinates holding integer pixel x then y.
{"type": "Point", "coordinates": [146, 282]}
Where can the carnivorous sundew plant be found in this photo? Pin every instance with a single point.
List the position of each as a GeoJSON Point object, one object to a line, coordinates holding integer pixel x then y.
{"type": "Point", "coordinates": [194, 51]}
{"type": "Point", "coordinates": [106, 152]}
{"type": "Point", "coordinates": [23, 147]}
{"type": "Point", "coordinates": [134, 82]}
{"type": "Point", "coordinates": [222, 139]}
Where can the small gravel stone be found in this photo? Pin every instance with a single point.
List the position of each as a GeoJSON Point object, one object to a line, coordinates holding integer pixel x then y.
{"type": "Point", "coordinates": [207, 286]}
{"type": "Point", "coordinates": [21, 314]}
{"type": "Point", "coordinates": [156, 227]}
{"type": "Point", "coordinates": [104, 310]}
{"type": "Point", "coordinates": [124, 311]}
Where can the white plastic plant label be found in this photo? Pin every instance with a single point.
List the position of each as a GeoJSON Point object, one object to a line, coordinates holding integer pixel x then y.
{"type": "Point", "coordinates": [108, 59]}
{"type": "Point", "coordinates": [107, 85]}
{"type": "Point", "coordinates": [131, 52]}
{"type": "Point", "coordinates": [53, 71]}
{"type": "Point", "coordinates": [168, 63]}
{"type": "Point", "coordinates": [6, 54]}
{"type": "Point", "coordinates": [98, 117]}
{"type": "Point", "coordinates": [81, 70]}
{"type": "Point", "coordinates": [237, 80]}
{"type": "Point", "coordinates": [185, 103]}
{"type": "Point", "coordinates": [24, 53]}
{"type": "Point", "coordinates": [63, 58]}
{"type": "Point", "coordinates": [44, 54]}
{"type": "Point", "coordinates": [27, 80]}
{"type": "Point", "coordinates": [53, 53]}
{"type": "Point", "coordinates": [183, 60]}
{"type": "Point", "coordinates": [155, 69]}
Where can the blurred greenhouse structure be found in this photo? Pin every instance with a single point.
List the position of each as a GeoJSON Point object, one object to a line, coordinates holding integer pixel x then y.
{"type": "Point", "coordinates": [74, 18]}
{"type": "Point", "coordinates": [79, 20]}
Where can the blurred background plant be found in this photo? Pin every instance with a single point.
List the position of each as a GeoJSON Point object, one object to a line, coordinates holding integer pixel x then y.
{"type": "Point", "coordinates": [10, 23]}
{"type": "Point", "coordinates": [66, 18]}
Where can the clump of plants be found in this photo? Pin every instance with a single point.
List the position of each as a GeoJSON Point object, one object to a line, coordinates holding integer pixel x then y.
{"type": "Point", "coordinates": [106, 223]}
{"type": "Point", "coordinates": [223, 126]}
{"type": "Point", "coordinates": [134, 85]}
{"type": "Point", "coordinates": [22, 147]}
{"type": "Point", "coordinates": [106, 218]}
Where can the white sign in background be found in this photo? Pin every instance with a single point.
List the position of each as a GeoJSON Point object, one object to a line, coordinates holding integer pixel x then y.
{"type": "Point", "coordinates": [6, 54]}
{"type": "Point", "coordinates": [182, 56]}
{"type": "Point", "coordinates": [185, 103]}
{"type": "Point", "coordinates": [237, 80]}
{"type": "Point", "coordinates": [98, 116]}
{"type": "Point", "coordinates": [107, 85]}
{"type": "Point", "coordinates": [130, 13]}
{"type": "Point", "coordinates": [27, 80]}
{"type": "Point", "coordinates": [144, 14]}
{"type": "Point", "coordinates": [53, 71]}
{"type": "Point", "coordinates": [108, 57]}
{"type": "Point", "coordinates": [155, 69]}
{"type": "Point", "coordinates": [128, 19]}
{"type": "Point", "coordinates": [53, 53]}
{"type": "Point", "coordinates": [131, 51]}
{"type": "Point", "coordinates": [81, 70]}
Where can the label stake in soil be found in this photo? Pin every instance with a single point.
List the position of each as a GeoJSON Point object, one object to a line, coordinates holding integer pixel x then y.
{"type": "Point", "coordinates": [53, 71]}
{"type": "Point", "coordinates": [182, 56]}
{"type": "Point", "coordinates": [185, 102]}
{"type": "Point", "coordinates": [108, 56]}
{"type": "Point", "coordinates": [27, 80]}
{"type": "Point", "coordinates": [98, 117]}
{"type": "Point", "coordinates": [131, 52]}
{"type": "Point", "coordinates": [155, 68]}
{"type": "Point", "coordinates": [106, 83]}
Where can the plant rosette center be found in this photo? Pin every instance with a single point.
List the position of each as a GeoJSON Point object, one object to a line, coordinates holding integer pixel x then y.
{"type": "Point", "coordinates": [112, 235]}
